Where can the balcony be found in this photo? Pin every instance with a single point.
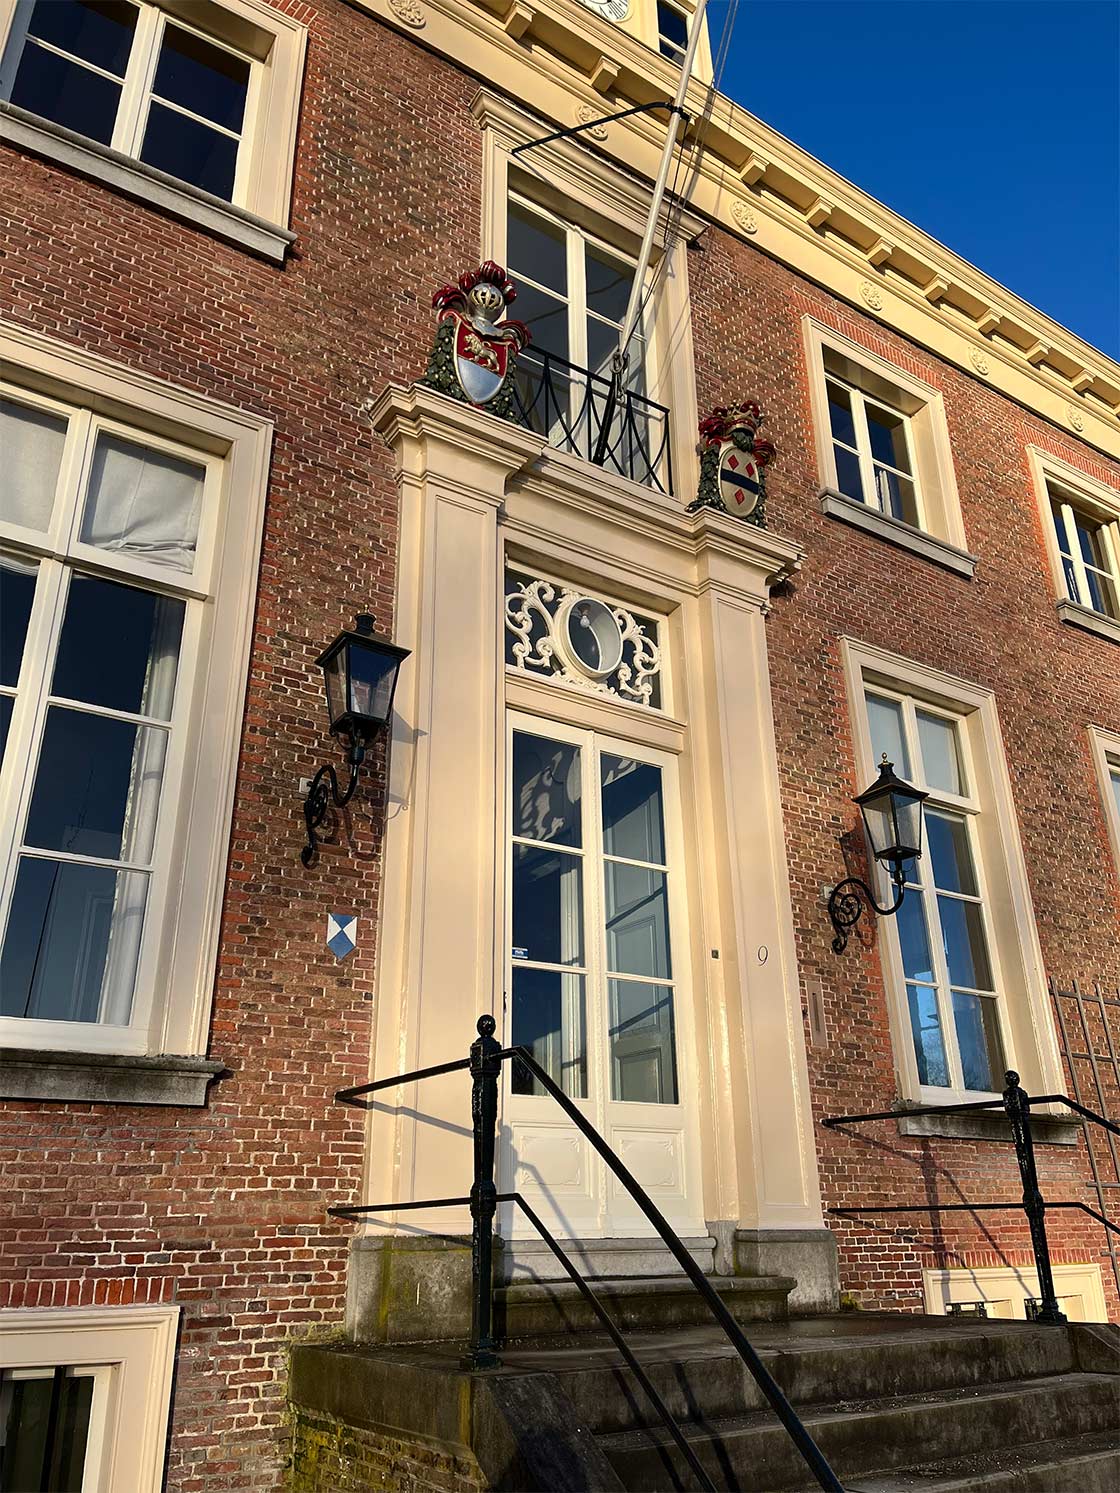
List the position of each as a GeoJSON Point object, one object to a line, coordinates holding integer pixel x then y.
{"type": "Point", "coordinates": [569, 405]}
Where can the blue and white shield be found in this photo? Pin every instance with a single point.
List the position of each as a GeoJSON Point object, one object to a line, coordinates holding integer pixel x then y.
{"type": "Point", "coordinates": [740, 486]}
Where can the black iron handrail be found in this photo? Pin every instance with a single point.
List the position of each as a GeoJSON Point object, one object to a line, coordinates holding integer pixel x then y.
{"type": "Point", "coordinates": [578, 412]}
{"type": "Point", "coordinates": [1016, 1104]}
{"type": "Point", "coordinates": [487, 1056]}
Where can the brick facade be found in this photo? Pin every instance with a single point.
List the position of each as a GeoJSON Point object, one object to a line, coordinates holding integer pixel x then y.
{"type": "Point", "coordinates": [222, 1210]}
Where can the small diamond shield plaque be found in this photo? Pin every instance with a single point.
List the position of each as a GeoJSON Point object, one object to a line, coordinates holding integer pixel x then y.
{"type": "Point", "coordinates": [342, 933]}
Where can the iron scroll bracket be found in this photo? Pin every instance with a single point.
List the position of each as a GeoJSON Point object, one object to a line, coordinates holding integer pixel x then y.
{"type": "Point", "coordinates": [594, 124]}
{"type": "Point", "coordinates": [845, 906]}
{"type": "Point", "coordinates": [324, 793]}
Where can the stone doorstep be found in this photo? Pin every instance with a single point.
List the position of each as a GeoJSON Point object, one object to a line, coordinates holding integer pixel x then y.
{"type": "Point", "coordinates": [532, 1309]}
{"type": "Point", "coordinates": [1073, 1464]}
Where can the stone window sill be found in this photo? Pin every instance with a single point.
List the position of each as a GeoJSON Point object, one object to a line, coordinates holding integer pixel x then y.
{"type": "Point", "coordinates": [104, 1078]}
{"type": "Point", "coordinates": [1079, 616]}
{"type": "Point", "coordinates": [895, 532]}
{"type": "Point", "coordinates": [179, 199]}
{"type": "Point", "coordinates": [1047, 1130]}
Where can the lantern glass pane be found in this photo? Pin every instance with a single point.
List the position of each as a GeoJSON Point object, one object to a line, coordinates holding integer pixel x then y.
{"type": "Point", "coordinates": [908, 819]}
{"type": "Point", "coordinates": [371, 682]}
{"type": "Point", "coordinates": [335, 671]}
{"type": "Point", "coordinates": [879, 823]}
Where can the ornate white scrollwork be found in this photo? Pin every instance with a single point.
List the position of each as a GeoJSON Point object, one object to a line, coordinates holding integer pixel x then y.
{"type": "Point", "coordinates": [581, 640]}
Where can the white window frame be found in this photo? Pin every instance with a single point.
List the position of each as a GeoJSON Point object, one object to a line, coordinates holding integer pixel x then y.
{"type": "Point", "coordinates": [1077, 492]}
{"type": "Point", "coordinates": [868, 463]}
{"type": "Point", "coordinates": [927, 431]}
{"type": "Point", "coordinates": [171, 1003]}
{"type": "Point", "coordinates": [270, 42]}
{"type": "Point", "coordinates": [677, 55]}
{"type": "Point", "coordinates": [1026, 1019]}
{"type": "Point", "coordinates": [1105, 747]}
{"type": "Point", "coordinates": [130, 1353]}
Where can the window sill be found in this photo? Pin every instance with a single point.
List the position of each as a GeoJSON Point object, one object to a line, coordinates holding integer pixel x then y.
{"type": "Point", "coordinates": [104, 1078]}
{"type": "Point", "coordinates": [894, 531]}
{"type": "Point", "coordinates": [1079, 616]}
{"type": "Point", "coordinates": [1047, 1130]}
{"type": "Point", "coordinates": [179, 199]}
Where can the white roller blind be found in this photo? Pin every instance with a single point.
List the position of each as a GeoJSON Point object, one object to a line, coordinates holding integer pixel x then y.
{"type": "Point", "coordinates": [31, 443]}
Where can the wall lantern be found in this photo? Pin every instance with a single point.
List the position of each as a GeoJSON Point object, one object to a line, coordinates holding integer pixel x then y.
{"type": "Point", "coordinates": [892, 817]}
{"type": "Point", "coordinates": [360, 675]}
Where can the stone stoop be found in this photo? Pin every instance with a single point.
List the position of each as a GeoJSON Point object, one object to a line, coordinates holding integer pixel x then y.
{"type": "Point", "coordinates": [896, 1403]}
{"type": "Point", "coordinates": [534, 1309]}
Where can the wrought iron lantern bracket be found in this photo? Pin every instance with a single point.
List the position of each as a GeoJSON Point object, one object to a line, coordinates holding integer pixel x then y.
{"type": "Point", "coordinates": [323, 794]}
{"type": "Point", "coordinates": [845, 905]}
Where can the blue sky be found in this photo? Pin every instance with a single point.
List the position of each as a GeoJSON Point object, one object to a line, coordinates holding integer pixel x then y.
{"type": "Point", "coordinates": [994, 125]}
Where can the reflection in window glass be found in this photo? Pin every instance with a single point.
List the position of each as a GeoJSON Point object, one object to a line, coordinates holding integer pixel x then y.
{"type": "Point", "coordinates": [119, 647]}
{"type": "Point", "coordinates": [643, 1045]}
{"type": "Point", "coordinates": [940, 753]}
{"type": "Point", "coordinates": [546, 790]}
{"type": "Point", "coordinates": [637, 921]}
{"type": "Point", "coordinates": [549, 1018]}
{"type": "Point", "coordinates": [633, 825]}
{"type": "Point", "coordinates": [884, 719]}
{"type": "Point", "coordinates": [977, 1025]}
{"type": "Point", "coordinates": [547, 905]}
{"type": "Point", "coordinates": [925, 1026]}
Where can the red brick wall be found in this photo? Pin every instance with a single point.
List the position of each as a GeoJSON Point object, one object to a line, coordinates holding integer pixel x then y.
{"type": "Point", "coordinates": [223, 1210]}
{"type": "Point", "coordinates": [999, 631]}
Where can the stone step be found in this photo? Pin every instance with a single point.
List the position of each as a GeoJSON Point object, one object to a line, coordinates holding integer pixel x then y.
{"type": "Point", "coordinates": [753, 1453]}
{"type": "Point", "coordinates": [701, 1378]}
{"type": "Point", "coordinates": [545, 1309]}
{"type": "Point", "coordinates": [1076, 1464]}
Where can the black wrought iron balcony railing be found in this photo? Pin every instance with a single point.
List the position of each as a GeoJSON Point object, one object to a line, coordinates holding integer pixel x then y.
{"type": "Point", "coordinates": [574, 409]}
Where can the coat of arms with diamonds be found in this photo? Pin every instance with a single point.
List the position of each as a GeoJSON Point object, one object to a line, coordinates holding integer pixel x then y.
{"type": "Point", "coordinates": [733, 462]}
{"type": "Point", "coordinates": [475, 350]}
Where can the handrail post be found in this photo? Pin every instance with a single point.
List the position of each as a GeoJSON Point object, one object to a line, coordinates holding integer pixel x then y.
{"type": "Point", "coordinates": [486, 1066]}
{"type": "Point", "coordinates": [1017, 1103]}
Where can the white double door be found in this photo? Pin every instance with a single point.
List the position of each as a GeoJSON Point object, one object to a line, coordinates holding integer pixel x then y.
{"type": "Point", "coordinates": [596, 982]}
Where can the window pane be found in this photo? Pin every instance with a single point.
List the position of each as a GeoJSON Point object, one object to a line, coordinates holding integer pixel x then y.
{"type": "Point", "coordinates": [549, 1018]}
{"type": "Point", "coordinates": [17, 591]}
{"type": "Point", "coordinates": [547, 905]}
{"type": "Point", "coordinates": [966, 950]}
{"type": "Point", "coordinates": [67, 93]}
{"type": "Point", "coordinates": [672, 26]}
{"type": "Point", "coordinates": [1102, 593]}
{"type": "Point", "coordinates": [538, 248]}
{"type": "Point", "coordinates": [896, 496]}
{"type": "Point", "coordinates": [978, 1039]}
{"type": "Point", "coordinates": [925, 1026]}
{"type": "Point", "coordinates": [940, 753]}
{"type": "Point", "coordinates": [637, 921]}
{"type": "Point", "coordinates": [849, 480]}
{"type": "Point", "coordinates": [1089, 540]}
{"type": "Point", "coordinates": [888, 437]}
{"type": "Point", "coordinates": [633, 824]}
{"type": "Point", "coordinates": [98, 31]}
{"type": "Point", "coordinates": [884, 720]}
{"type": "Point", "coordinates": [949, 853]}
{"type": "Point", "coordinates": [1060, 527]}
{"type": "Point", "coordinates": [914, 941]}
{"type": "Point", "coordinates": [97, 786]}
{"type": "Point", "coordinates": [840, 414]}
{"type": "Point", "coordinates": [609, 281]}
{"type": "Point", "coordinates": [643, 1048]}
{"type": "Point", "coordinates": [190, 151]}
{"type": "Point", "coordinates": [31, 442]}
{"type": "Point", "coordinates": [602, 344]}
{"type": "Point", "coordinates": [73, 941]}
{"type": "Point", "coordinates": [143, 503]}
{"type": "Point", "coordinates": [202, 77]}
{"type": "Point", "coordinates": [1115, 777]}
{"type": "Point", "coordinates": [7, 705]}
{"type": "Point", "coordinates": [546, 790]}
{"type": "Point", "coordinates": [547, 320]}
{"type": "Point", "coordinates": [119, 647]}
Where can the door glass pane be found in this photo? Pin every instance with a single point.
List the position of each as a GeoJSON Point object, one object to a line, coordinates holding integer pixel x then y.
{"type": "Point", "coordinates": [637, 921]}
{"type": "Point", "coordinates": [940, 752]}
{"type": "Point", "coordinates": [97, 31]}
{"type": "Point", "coordinates": [950, 857]}
{"type": "Point", "coordinates": [884, 720]}
{"type": "Point", "coordinates": [978, 1039]}
{"type": "Point", "coordinates": [547, 905]}
{"type": "Point", "coordinates": [925, 1026]}
{"type": "Point", "coordinates": [203, 78]}
{"type": "Point", "coordinates": [546, 790]}
{"type": "Point", "coordinates": [17, 591]}
{"type": "Point", "coordinates": [537, 248]}
{"type": "Point", "coordinates": [966, 950]}
{"type": "Point", "coordinates": [549, 1018]}
{"type": "Point", "coordinates": [888, 437]}
{"type": "Point", "coordinates": [119, 647]}
{"type": "Point", "coordinates": [31, 442]}
{"type": "Point", "coordinates": [643, 1047]}
{"type": "Point", "coordinates": [72, 943]}
{"type": "Point", "coordinates": [97, 786]}
{"type": "Point", "coordinates": [190, 151]}
{"type": "Point", "coordinates": [70, 94]}
{"type": "Point", "coordinates": [144, 503]}
{"type": "Point", "coordinates": [913, 938]}
{"type": "Point", "coordinates": [609, 281]}
{"type": "Point", "coordinates": [633, 822]}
